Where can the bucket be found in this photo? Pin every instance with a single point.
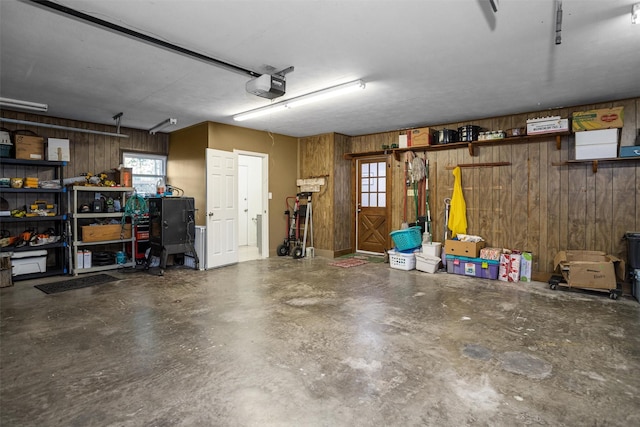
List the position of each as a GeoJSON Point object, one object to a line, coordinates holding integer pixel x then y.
{"type": "Point", "coordinates": [121, 257]}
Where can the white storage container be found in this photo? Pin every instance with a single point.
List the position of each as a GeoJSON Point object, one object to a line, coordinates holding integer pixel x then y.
{"type": "Point", "coordinates": [433, 249]}
{"type": "Point", "coordinates": [427, 263]}
{"type": "Point", "coordinates": [401, 261]}
{"type": "Point", "coordinates": [28, 262]}
{"type": "Point", "coordinates": [597, 144]}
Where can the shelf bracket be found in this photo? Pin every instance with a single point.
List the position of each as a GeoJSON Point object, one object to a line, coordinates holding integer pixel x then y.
{"type": "Point", "coordinates": [558, 142]}
{"type": "Point", "coordinates": [594, 166]}
{"type": "Point", "coordinates": [470, 147]}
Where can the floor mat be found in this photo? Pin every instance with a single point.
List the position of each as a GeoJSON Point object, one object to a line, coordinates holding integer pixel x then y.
{"type": "Point", "coordinates": [350, 262]}
{"type": "Point", "coordinates": [77, 283]}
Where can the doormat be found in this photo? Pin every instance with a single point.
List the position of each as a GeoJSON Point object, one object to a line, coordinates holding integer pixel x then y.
{"type": "Point", "coordinates": [346, 263]}
{"type": "Point", "coordinates": [368, 258]}
{"type": "Point", "coordinates": [77, 283]}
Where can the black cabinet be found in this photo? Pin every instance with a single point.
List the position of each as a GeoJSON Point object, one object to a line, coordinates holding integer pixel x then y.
{"type": "Point", "coordinates": [172, 227]}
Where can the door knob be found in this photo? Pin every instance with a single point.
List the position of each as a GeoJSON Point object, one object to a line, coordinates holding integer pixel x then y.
{"type": "Point", "coordinates": [210, 214]}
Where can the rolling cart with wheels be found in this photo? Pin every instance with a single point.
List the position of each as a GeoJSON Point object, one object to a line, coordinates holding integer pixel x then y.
{"type": "Point", "coordinates": [557, 280]}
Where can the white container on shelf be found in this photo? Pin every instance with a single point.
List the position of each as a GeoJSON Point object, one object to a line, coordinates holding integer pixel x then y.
{"type": "Point", "coordinates": [28, 262]}
{"type": "Point", "coordinates": [597, 144]}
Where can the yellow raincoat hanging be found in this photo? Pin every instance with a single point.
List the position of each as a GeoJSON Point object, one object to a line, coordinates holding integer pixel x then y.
{"type": "Point", "coordinates": [458, 208]}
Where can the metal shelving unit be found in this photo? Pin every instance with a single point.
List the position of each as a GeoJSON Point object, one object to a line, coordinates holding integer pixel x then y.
{"type": "Point", "coordinates": [114, 192]}
{"type": "Point", "coordinates": [20, 196]}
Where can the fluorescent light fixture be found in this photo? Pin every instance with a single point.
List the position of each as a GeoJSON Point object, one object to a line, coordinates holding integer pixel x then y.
{"type": "Point", "coordinates": [50, 126]}
{"type": "Point", "coordinates": [23, 105]}
{"type": "Point", "coordinates": [635, 13]}
{"type": "Point", "coordinates": [302, 100]}
{"type": "Point", "coordinates": [163, 124]}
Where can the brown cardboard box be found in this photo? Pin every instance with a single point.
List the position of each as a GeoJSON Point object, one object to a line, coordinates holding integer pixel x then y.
{"type": "Point", "coordinates": [468, 249]}
{"type": "Point", "coordinates": [604, 118]}
{"type": "Point", "coordinates": [29, 147]}
{"type": "Point", "coordinates": [420, 137]}
{"type": "Point", "coordinates": [589, 269]}
{"type": "Point", "coordinates": [99, 233]}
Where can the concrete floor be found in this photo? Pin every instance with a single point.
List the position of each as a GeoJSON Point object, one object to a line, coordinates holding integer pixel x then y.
{"type": "Point", "coordinates": [283, 342]}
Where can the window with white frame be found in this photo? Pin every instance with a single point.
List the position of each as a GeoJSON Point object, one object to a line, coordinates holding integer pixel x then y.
{"type": "Point", "coordinates": [147, 170]}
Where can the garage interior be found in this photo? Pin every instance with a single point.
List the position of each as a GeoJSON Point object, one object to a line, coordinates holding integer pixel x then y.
{"type": "Point", "coordinates": [274, 340]}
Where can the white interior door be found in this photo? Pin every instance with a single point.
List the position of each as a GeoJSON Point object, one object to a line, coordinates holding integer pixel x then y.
{"type": "Point", "coordinates": [243, 203]}
{"type": "Point", "coordinates": [222, 208]}
{"type": "Point", "coordinates": [258, 204]}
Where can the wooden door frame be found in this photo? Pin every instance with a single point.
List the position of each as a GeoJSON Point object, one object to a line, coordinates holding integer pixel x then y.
{"type": "Point", "coordinates": [354, 195]}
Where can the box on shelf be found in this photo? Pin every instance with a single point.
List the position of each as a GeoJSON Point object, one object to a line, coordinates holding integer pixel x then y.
{"type": "Point", "coordinates": [98, 233]}
{"type": "Point", "coordinates": [402, 261]}
{"type": "Point", "coordinates": [597, 144]}
{"type": "Point", "coordinates": [476, 267]}
{"type": "Point", "coordinates": [459, 248]}
{"type": "Point", "coordinates": [427, 263]}
{"type": "Point", "coordinates": [29, 147]}
{"type": "Point", "coordinates": [544, 125]}
{"type": "Point", "coordinates": [603, 118]}
{"type": "Point", "coordinates": [86, 262]}
{"type": "Point", "coordinates": [590, 269]}
{"type": "Point", "coordinates": [509, 270]}
{"type": "Point", "coordinates": [29, 262]}
{"type": "Point", "coordinates": [420, 137]}
{"type": "Point", "coordinates": [58, 150]}
{"type": "Point", "coordinates": [630, 151]}
{"type": "Point", "coordinates": [403, 141]}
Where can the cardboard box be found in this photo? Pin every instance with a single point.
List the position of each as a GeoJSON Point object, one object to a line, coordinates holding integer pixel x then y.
{"type": "Point", "coordinates": [509, 270]}
{"type": "Point", "coordinates": [29, 147]}
{"type": "Point", "coordinates": [547, 125]}
{"type": "Point", "coordinates": [468, 249]}
{"type": "Point", "coordinates": [99, 233]}
{"type": "Point", "coordinates": [403, 141]}
{"type": "Point", "coordinates": [630, 151]}
{"type": "Point", "coordinates": [420, 137]}
{"type": "Point", "coordinates": [589, 269]}
{"type": "Point", "coordinates": [597, 144]}
{"type": "Point", "coordinates": [526, 266]}
{"type": "Point", "coordinates": [604, 118]}
{"type": "Point", "coordinates": [491, 253]}
{"type": "Point", "coordinates": [58, 150]}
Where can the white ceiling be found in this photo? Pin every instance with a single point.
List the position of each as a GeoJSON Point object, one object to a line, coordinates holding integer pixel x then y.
{"type": "Point", "coordinates": [424, 62]}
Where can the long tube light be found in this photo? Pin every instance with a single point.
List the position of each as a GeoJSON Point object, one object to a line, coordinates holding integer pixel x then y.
{"type": "Point", "coordinates": [299, 101]}
{"type": "Point", "coordinates": [50, 126]}
{"type": "Point", "coordinates": [163, 124]}
{"type": "Point", "coordinates": [23, 105]}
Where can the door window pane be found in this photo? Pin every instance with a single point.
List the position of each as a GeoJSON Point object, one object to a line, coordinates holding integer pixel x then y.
{"type": "Point", "coordinates": [373, 199]}
{"type": "Point", "coordinates": [382, 169]}
{"type": "Point", "coordinates": [365, 170]}
{"type": "Point", "coordinates": [382, 184]}
{"type": "Point", "coordinates": [373, 184]}
{"type": "Point", "coordinates": [382, 200]}
{"type": "Point", "coordinates": [365, 200]}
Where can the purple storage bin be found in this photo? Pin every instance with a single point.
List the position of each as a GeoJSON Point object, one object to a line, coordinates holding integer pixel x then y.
{"type": "Point", "coordinates": [474, 267]}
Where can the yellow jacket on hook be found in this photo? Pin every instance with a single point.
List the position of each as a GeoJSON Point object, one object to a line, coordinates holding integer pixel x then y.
{"type": "Point", "coordinates": [458, 208]}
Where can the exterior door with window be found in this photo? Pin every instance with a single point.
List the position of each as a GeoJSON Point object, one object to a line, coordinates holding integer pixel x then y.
{"type": "Point", "coordinates": [373, 205]}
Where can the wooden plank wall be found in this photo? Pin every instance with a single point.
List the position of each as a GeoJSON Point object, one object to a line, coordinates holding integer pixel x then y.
{"type": "Point", "coordinates": [316, 159]}
{"type": "Point", "coordinates": [532, 204]}
{"type": "Point", "coordinates": [90, 152]}
{"type": "Point", "coordinates": [342, 195]}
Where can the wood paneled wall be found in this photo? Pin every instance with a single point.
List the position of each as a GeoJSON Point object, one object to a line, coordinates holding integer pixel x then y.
{"type": "Point", "coordinates": [532, 204]}
{"type": "Point", "coordinates": [317, 157]}
{"type": "Point", "coordinates": [342, 195]}
{"type": "Point", "coordinates": [90, 152]}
